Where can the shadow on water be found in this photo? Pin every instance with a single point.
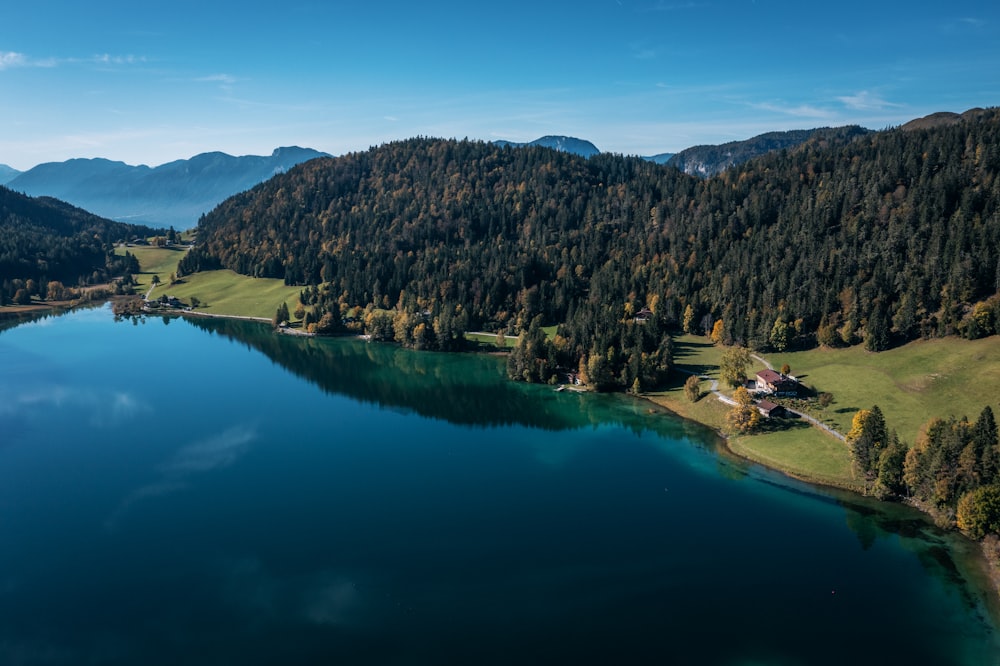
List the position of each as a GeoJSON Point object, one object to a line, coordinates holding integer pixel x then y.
{"type": "Point", "coordinates": [466, 389]}
{"type": "Point", "coordinates": [472, 390]}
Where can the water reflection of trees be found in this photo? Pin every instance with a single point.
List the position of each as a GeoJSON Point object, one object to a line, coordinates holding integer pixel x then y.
{"type": "Point", "coordinates": [946, 556]}
{"type": "Point", "coordinates": [469, 389]}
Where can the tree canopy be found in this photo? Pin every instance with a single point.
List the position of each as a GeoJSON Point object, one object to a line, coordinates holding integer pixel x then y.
{"type": "Point", "coordinates": [845, 239]}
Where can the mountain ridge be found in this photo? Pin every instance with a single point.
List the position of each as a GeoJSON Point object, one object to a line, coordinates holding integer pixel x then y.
{"type": "Point", "coordinates": [7, 174]}
{"type": "Point", "coordinates": [176, 193]}
{"type": "Point", "coordinates": [566, 144]}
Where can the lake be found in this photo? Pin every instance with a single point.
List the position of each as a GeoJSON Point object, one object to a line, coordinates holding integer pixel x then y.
{"type": "Point", "coordinates": [208, 492]}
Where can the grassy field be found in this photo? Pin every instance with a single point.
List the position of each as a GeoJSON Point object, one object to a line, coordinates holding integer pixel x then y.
{"type": "Point", "coordinates": [490, 339]}
{"type": "Point", "coordinates": [228, 293]}
{"type": "Point", "coordinates": [161, 261]}
{"type": "Point", "coordinates": [910, 384]}
{"type": "Point", "coordinates": [221, 292]}
{"type": "Point", "coordinates": [510, 341]}
{"type": "Point", "coordinates": [789, 445]}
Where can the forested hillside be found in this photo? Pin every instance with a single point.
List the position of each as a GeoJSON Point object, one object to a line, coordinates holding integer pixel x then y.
{"type": "Point", "coordinates": [711, 160]}
{"type": "Point", "coordinates": [43, 240]}
{"type": "Point", "coordinates": [877, 239]}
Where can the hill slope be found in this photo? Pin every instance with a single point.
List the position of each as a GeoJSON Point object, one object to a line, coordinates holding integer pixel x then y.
{"type": "Point", "coordinates": [566, 144]}
{"type": "Point", "coordinates": [46, 239]}
{"type": "Point", "coordinates": [172, 194]}
{"type": "Point", "coordinates": [7, 174]}
{"type": "Point", "coordinates": [710, 160]}
{"type": "Point", "coordinates": [884, 238]}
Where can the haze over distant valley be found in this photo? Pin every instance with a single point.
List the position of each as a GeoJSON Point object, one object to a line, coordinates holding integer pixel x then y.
{"type": "Point", "coordinates": [173, 194]}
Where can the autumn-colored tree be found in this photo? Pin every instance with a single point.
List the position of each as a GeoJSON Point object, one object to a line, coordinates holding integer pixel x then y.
{"type": "Point", "coordinates": [692, 388]}
{"type": "Point", "coordinates": [734, 364]}
{"type": "Point", "coordinates": [743, 417]}
{"type": "Point", "coordinates": [718, 330]}
{"type": "Point", "coordinates": [866, 439]}
{"type": "Point", "coordinates": [978, 512]}
{"type": "Point", "coordinates": [688, 320]}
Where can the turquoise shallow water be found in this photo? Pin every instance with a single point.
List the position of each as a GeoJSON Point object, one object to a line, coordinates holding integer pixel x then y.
{"type": "Point", "coordinates": [209, 493]}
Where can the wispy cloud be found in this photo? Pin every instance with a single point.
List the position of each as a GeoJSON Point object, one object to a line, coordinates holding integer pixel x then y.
{"type": "Point", "coordinates": [10, 59]}
{"type": "Point", "coordinates": [108, 59]}
{"type": "Point", "coordinates": [213, 453]}
{"type": "Point", "coordinates": [226, 82]}
{"type": "Point", "coordinates": [104, 408]}
{"type": "Point", "coordinates": [13, 59]}
{"type": "Point", "coordinates": [201, 457]}
{"type": "Point", "coordinates": [797, 111]}
{"type": "Point", "coordinates": [865, 101]}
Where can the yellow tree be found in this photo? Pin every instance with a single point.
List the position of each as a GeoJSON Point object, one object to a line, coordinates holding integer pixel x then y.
{"type": "Point", "coordinates": [717, 331]}
{"type": "Point", "coordinates": [743, 417]}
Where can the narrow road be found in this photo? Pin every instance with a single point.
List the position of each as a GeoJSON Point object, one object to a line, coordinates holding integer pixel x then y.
{"type": "Point", "coordinates": [713, 389]}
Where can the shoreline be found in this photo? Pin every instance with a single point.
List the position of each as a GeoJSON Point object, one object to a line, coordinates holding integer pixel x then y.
{"type": "Point", "coordinates": [984, 579]}
{"type": "Point", "coordinates": [981, 572]}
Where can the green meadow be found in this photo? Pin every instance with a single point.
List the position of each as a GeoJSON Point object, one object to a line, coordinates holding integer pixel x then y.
{"type": "Point", "coordinates": [789, 445]}
{"type": "Point", "coordinates": [227, 293]}
{"type": "Point", "coordinates": [928, 378]}
{"type": "Point", "coordinates": [220, 292]}
{"type": "Point", "coordinates": [161, 261]}
{"type": "Point", "coordinates": [910, 384]}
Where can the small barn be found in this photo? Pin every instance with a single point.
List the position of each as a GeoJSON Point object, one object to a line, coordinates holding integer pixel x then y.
{"type": "Point", "coordinates": [768, 409]}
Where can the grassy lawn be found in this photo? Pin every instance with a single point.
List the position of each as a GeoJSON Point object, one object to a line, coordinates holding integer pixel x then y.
{"type": "Point", "coordinates": [789, 445]}
{"type": "Point", "coordinates": [490, 339]}
{"type": "Point", "coordinates": [221, 292]}
{"type": "Point", "coordinates": [228, 293]}
{"type": "Point", "coordinates": [160, 261]}
{"type": "Point", "coordinates": [510, 341]}
{"type": "Point", "coordinates": [800, 450]}
{"type": "Point", "coordinates": [910, 384]}
{"type": "Point", "coordinates": [697, 354]}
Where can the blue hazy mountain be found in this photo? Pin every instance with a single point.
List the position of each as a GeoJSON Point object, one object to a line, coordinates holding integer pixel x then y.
{"type": "Point", "coordinates": [8, 174]}
{"type": "Point", "coordinates": [172, 194]}
{"type": "Point", "coordinates": [707, 161]}
{"type": "Point", "coordinates": [566, 144]}
{"type": "Point", "coordinates": [662, 158]}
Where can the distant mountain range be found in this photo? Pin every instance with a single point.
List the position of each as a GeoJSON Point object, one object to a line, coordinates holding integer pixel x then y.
{"type": "Point", "coordinates": [179, 193]}
{"type": "Point", "coordinates": [566, 144]}
{"type": "Point", "coordinates": [662, 158]}
{"type": "Point", "coordinates": [7, 174]}
{"type": "Point", "coordinates": [707, 161]}
{"type": "Point", "coordinates": [173, 194]}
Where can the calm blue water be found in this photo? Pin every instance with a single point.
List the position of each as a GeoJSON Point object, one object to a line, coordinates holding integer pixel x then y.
{"type": "Point", "coordinates": [211, 493]}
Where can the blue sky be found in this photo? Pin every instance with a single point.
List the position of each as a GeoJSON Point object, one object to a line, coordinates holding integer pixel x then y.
{"type": "Point", "coordinates": [147, 85]}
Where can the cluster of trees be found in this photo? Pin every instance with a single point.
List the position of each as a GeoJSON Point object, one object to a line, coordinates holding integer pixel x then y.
{"type": "Point", "coordinates": [45, 244]}
{"type": "Point", "coordinates": [876, 453]}
{"type": "Point", "coordinates": [953, 470]}
{"type": "Point", "coordinates": [846, 239]}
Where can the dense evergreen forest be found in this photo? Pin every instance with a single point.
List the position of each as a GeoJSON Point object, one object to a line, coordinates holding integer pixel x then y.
{"type": "Point", "coordinates": [45, 241]}
{"type": "Point", "coordinates": [846, 239]}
